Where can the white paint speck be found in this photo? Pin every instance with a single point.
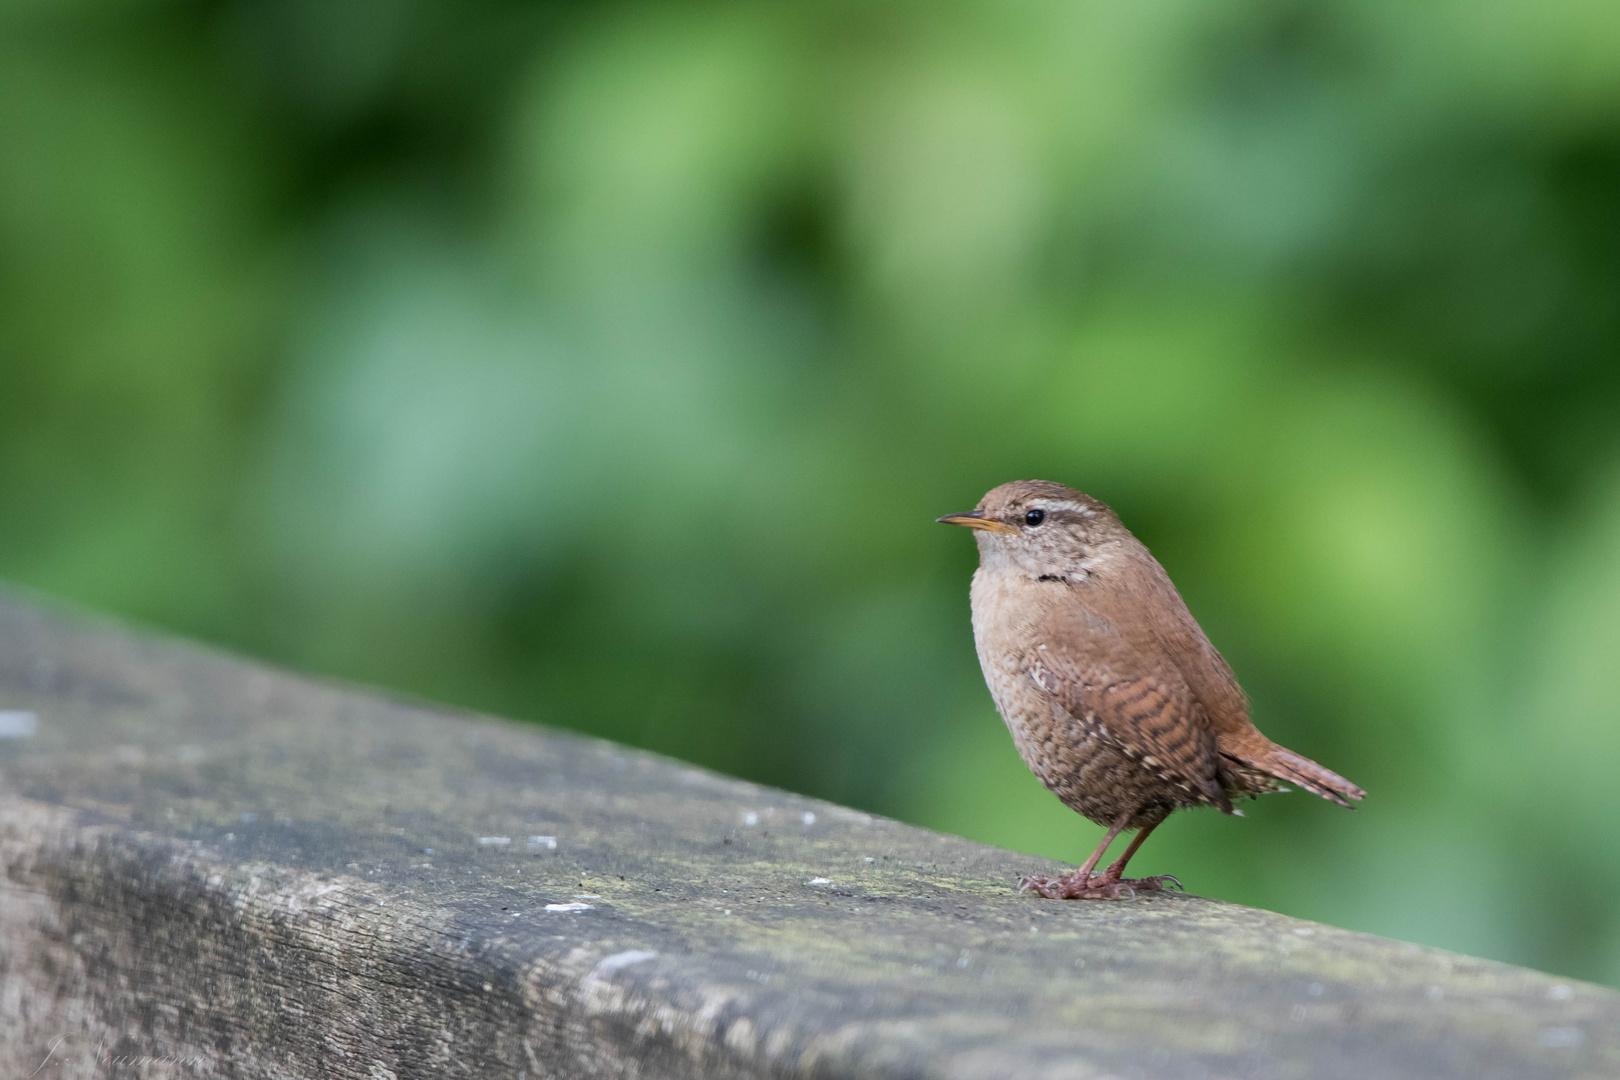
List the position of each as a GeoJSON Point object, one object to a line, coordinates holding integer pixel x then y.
{"type": "Point", "coordinates": [818, 881]}
{"type": "Point", "coordinates": [809, 817]}
{"type": "Point", "coordinates": [750, 819]}
{"type": "Point", "coordinates": [586, 896]}
{"type": "Point", "coordinates": [537, 843]}
{"type": "Point", "coordinates": [1304, 931]}
{"type": "Point", "coordinates": [870, 859]}
{"type": "Point", "coordinates": [17, 724]}
{"type": "Point", "coordinates": [1559, 993]}
{"type": "Point", "coordinates": [570, 907]}
{"type": "Point", "coordinates": [1435, 993]}
{"type": "Point", "coordinates": [494, 841]}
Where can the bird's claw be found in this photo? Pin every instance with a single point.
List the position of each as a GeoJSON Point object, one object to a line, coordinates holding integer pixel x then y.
{"type": "Point", "coordinates": [1070, 887]}
{"type": "Point", "coordinates": [1162, 878]}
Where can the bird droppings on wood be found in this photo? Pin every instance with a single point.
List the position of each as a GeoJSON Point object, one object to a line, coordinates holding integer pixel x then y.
{"type": "Point", "coordinates": [261, 950]}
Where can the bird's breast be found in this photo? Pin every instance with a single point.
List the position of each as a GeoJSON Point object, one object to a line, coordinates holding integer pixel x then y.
{"type": "Point", "coordinates": [1004, 621]}
{"type": "Point", "coordinates": [1087, 773]}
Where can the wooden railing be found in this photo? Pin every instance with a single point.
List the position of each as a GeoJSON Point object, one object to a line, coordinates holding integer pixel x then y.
{"type": "Point", "coordinates": [213, 868]}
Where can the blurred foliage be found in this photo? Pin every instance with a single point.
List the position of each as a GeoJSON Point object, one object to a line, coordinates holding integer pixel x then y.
{"type": "Point", "coordinates": [605, 365]}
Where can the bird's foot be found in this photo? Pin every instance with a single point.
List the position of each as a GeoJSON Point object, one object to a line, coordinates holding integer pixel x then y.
{"type": "Point", "coordinates": [1098, 887]}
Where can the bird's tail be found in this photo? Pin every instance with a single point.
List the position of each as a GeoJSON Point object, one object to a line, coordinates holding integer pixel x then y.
{"type": "Point", "coordinates": [1258, 752]}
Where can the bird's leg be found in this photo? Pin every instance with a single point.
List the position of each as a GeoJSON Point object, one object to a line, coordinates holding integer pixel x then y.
{"type": "Point", "coordinates": [1076, 885]}
{"type": "Point", "coordinates": [1116, 869]}
{"type": "Point", "coordinates": [1110, 885]}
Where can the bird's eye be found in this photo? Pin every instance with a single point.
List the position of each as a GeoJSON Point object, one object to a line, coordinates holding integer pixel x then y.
{"type": "Point", "coordinates": [1034, 518]}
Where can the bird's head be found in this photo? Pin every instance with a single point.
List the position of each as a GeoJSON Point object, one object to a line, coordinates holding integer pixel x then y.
{"type": "Point", "coordinates": [1041, 530]}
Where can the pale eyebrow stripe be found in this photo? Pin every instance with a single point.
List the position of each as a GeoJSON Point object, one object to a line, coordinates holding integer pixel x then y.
{"type": "Point", "coordinates": [1073, 508]}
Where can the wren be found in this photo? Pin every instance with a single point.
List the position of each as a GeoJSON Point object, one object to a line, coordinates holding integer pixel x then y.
{"type": "Point", "coordinates": [1113, 693]}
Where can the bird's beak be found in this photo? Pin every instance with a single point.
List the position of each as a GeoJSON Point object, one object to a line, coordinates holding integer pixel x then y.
{"type": "Point", "coordinates": [975, 519]}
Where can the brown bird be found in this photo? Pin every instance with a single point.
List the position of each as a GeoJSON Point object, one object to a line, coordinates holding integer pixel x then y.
{"type": "Point", "coordinates": [1114, 695]}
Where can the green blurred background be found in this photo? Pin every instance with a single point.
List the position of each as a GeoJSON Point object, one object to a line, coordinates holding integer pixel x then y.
{"type": "Point", "coordinates": [606, 364]}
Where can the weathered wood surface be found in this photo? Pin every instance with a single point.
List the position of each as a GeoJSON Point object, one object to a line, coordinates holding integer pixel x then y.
{"type": "Point", "coordinates": [216, 869]}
